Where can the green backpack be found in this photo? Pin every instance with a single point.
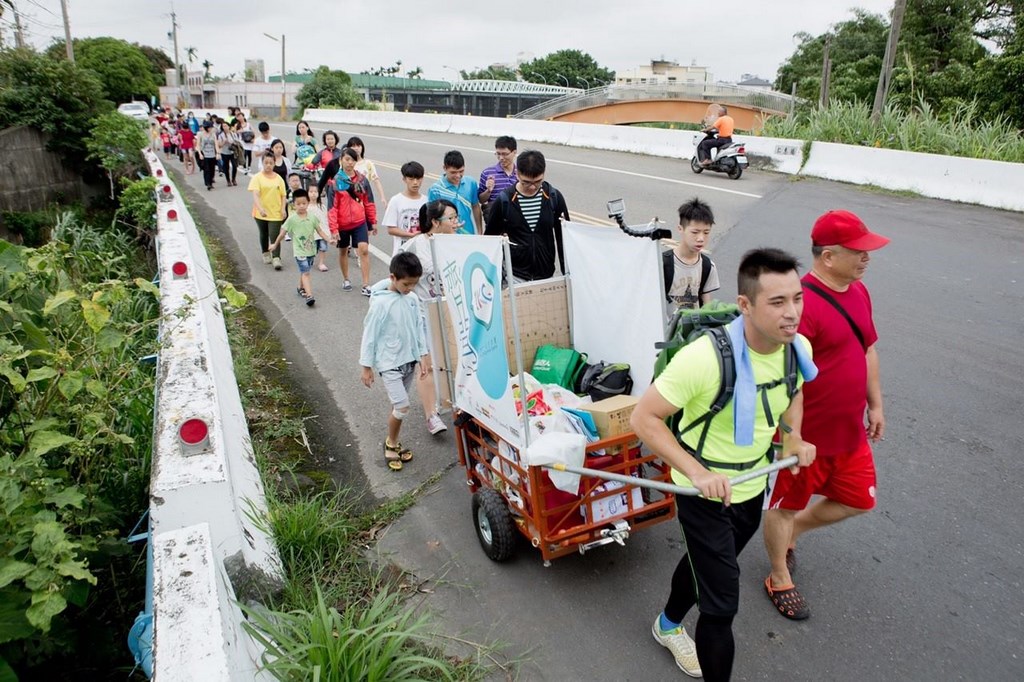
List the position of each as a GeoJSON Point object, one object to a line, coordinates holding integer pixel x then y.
{"type": "Point", "coordinates": [685, 327]}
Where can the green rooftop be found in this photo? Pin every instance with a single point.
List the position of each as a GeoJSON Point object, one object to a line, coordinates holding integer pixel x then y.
{"type": "Point", "coordinates": [363, 80]}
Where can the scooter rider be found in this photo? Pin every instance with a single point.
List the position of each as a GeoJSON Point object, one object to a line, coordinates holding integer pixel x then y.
{"type": "Point", "coordinates": [724, 125]}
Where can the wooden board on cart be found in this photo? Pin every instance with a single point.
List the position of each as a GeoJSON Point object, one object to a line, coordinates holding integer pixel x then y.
{"type": "Point", "coordinates": [543, 309]}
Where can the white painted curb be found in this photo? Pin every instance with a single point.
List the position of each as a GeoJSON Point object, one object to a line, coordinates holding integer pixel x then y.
{"type": "Point", "coordinates": [215, 484]}
{"type": "Point", "coordinates": [973, 181]}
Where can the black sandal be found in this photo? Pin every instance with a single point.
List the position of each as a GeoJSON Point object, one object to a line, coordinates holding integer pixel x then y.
{"type": "Point", "coordinates": [787, 600]}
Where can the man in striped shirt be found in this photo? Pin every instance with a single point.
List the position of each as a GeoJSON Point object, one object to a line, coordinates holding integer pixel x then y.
{"type": "Point", "coordinates": [502, 175]}
{"type": "Point", "coordinates": [530, 214]}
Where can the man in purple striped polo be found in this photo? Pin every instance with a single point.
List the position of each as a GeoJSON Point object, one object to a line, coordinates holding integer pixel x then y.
{"type": "Point", "coordinates": [502, 175]}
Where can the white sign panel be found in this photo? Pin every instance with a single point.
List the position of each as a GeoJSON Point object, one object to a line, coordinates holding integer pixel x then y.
{"type": "Point", "coordinates": [470, 271]}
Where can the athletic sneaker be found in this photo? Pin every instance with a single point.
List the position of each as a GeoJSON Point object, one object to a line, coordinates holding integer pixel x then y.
{"type": "Point", "coordinates": [435, 425]}
{"type": "Point", "coordinates": [366, 291]}
{"type": "Point", "coordinates": [347, 286]}
{"type": "Point", "coordinates": [267, 257]}
{"type": "Point", "coordinates": [277, 263]}
{"type": "Point", "coordinates": [682, 647]}
{"type": "Point", "coordinates": [287, 237]}
{"type": "Point", "coordinates": [310, 301]}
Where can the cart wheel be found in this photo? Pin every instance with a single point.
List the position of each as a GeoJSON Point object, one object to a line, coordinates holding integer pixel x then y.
{"type": "Point", "coordinates": [494, 525]}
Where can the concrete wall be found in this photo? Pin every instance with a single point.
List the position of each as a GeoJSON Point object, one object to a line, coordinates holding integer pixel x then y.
{"type": "Point", "coordinates": [31, 177]}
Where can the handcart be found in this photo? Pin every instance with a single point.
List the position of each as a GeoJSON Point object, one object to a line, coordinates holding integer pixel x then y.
{"type": "Point", "coordinates": [489, 335]}
{"type": "Point", "coordinates": [510, 499]}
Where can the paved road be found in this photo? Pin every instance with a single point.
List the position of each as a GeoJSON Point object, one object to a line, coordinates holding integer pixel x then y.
{"type": "Point", "coordinates": [928, 587]}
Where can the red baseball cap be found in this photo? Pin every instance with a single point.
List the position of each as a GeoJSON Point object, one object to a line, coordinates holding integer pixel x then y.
{"type": "Point", "coordinates": [844, 228]}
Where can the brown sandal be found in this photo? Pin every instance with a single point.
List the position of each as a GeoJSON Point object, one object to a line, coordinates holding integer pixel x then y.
{"type": "Point", "coordinates": [396, 454]}
{"type": "Point", "coordinates": [787, 600]}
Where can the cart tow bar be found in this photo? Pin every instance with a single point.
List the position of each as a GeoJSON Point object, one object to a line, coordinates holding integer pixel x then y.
{"type": "Point", "coordinates": [662, 486]}
{"type": "Point", "coordinates": [619, 533]}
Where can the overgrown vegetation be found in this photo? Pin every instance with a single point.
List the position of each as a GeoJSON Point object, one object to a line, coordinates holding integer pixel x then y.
{"type": "Point", "coordinates": [76, 316]}
{"type": "Point", "coordinates": [328, 88]}
{"type": "Point", "coordinates": [961, 132]}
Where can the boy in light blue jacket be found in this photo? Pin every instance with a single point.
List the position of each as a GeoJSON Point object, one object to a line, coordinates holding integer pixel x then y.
{"type": "Point", "coordinates": [394, 342]}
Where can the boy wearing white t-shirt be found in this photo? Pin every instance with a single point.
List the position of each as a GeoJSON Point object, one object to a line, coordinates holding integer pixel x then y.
{"type": "Point", "coordinates": [402, 217]}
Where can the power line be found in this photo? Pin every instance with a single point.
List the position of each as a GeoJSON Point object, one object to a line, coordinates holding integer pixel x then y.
{"type": "Point", "coordinates": [43, 7]}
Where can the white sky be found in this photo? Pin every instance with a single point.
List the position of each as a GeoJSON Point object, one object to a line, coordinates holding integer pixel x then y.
{"type": "Point", "coordinates": [355, 35]}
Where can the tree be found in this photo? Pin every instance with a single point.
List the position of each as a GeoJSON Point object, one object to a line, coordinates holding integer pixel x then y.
{"type": "Point", "coordinates": [329, 88]}
{"type": "Point", "coordinates": [207, 64]}
{"type": "Point", "coordinates": [498, 73]}
{"type": "Point", "coordinates": [578, 68]}
{"type": "Point", "coordinates": [856, 50]}
{"type": "Point", "coordinates": [115, 142]}
{"type": "Point", "coordinates": [159, 62]}
{"type": "Point", "coordinates": [123, 68]}
{"type": "Point", "coordinates": [52, 95]}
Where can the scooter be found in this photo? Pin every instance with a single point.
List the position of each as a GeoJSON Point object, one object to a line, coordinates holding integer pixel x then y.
{"type": "Point", "coordinates": [730, 160]}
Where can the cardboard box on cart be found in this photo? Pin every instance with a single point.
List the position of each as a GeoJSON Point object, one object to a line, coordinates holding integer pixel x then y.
{"type": "Point", "coordinates": [611, 415]}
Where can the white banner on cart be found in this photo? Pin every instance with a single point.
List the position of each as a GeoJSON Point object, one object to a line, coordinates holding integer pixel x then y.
{"type": "Point", "coordinates": [470, 269]}
{"type": "Point", "coordinates": [617, 300]}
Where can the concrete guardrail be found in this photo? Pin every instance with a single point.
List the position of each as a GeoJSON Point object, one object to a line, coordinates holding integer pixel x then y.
{"type": "Point", "coordinates": [974, 181]}
{"type": "Point", "coordinates": [207, 553]}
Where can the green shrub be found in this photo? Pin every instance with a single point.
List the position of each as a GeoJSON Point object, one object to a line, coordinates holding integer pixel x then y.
{"type": "Point", "coordinates": [75, 433]}
{"type": "Point", "coordinates": [962, 132]}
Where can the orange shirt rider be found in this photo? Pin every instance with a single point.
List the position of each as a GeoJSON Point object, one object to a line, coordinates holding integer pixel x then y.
{"type": "Point", "coordinates": [725, 125]}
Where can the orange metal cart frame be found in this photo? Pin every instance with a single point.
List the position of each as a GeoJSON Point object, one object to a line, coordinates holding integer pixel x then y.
{"type": "Point", "coordinates": [510, 496]}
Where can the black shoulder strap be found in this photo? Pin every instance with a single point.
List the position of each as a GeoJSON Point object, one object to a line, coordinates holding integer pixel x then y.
{"type": "Point", "coordinates": [669, 267]}
{"type": "Point", "coordinates": [705, 273]}
{"type": "Point", "coordinates": [842, 311]}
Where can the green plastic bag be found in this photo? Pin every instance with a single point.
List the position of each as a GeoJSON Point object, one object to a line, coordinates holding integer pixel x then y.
{"type": "Point", "coordinates": [562, 366]}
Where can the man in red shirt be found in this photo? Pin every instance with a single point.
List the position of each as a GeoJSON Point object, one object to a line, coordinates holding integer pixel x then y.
{"type": "Point", "coordinates": [837, 321]}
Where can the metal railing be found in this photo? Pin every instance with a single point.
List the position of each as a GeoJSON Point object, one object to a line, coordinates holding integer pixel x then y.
{"type": "Point", "coordinates": [494, 86]}
{"type": "Point", "coordinates": [774, 102]}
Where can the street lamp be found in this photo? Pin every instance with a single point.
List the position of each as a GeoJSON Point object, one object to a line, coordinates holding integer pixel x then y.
{"type": "Point", "coordinates": [458, 75]}
{"type": "Point", "coordinates": [563, 78]}
{"type": "Point", "coordinates": [585, 81]}
{"type": "Point", "coordinates": [534, 73]}
{"type": "Point", "coordinates": [283, 86]}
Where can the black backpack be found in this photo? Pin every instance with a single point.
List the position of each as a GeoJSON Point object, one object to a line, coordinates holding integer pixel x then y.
{"type": "Point", "coordinates": [711, 320]}
{"type": "Point", "coordinates": [601, 380]}
{"type": "Point", "coordinates": [669, 266]}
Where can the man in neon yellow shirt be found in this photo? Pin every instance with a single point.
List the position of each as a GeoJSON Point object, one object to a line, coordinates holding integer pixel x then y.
{"type": "Point", "coordinates": [719, 523]}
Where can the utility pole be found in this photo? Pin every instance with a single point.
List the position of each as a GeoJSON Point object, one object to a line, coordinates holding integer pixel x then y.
{"type": "Point", "coordinates": [67, 31]}
{"type": "Point", "coordinates": [826, 73]}
{"type": "Point", "coordinates": [284, 85]}
{"type": "Point", "coordinates": [19, 36]}
{"type": "Point", "coordinates": [177, 63]}
{"type": "Point", "coordinates": [885, 77]}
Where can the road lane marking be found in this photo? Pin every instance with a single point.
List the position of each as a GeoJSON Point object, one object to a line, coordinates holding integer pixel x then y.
{"type": "Point", "coordinates": [617, 171]}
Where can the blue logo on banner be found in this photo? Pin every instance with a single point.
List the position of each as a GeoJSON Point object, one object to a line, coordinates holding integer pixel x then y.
{"type": "Point", "coordinates": [486, 328]}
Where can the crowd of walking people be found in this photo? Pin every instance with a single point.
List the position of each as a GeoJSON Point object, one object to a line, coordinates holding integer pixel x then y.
{"type": "Point", "coordinates": [319, 194]}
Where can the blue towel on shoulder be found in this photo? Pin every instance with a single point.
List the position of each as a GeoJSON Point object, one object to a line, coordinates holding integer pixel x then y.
{"type": "Point", "coordinates": [744, 396]}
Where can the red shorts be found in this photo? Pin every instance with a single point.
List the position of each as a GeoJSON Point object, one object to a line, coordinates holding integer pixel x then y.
{"type": "Point", "coordinates": [847, 479]}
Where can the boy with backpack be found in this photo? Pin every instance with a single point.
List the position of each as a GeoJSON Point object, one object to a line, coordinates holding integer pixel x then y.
{"type": "Point", "coordinates": [769, 361]}
{"type": "Point", "coordinates": [690, 274]}
{"type": "Point", "coordinates": [394, 342]}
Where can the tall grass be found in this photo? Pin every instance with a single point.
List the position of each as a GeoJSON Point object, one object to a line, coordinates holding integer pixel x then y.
{"type": "Point", "coordinates": [961, 132]}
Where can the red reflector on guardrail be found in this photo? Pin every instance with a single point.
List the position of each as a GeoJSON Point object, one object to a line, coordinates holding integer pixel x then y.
{"type": "Point", "coordinates": [194, 436]}
{"type": "Point", "coordinates": [180, 270]}
{"type": "Point", "coordinates": [172, 214]}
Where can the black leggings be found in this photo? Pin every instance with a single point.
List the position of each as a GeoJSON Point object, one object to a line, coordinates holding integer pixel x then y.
{"type": "Point", "coordinates": [248, 158]}
{"type": "Point", "coordinates": [230, 167]}
{"type": "Point", "coordinates": [209, 166]}
{"type": "Point", "coordinates": [269, 229]}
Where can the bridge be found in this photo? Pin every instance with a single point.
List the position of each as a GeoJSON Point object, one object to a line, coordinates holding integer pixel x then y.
{"type": "Point", "coordinates": [644, 103]}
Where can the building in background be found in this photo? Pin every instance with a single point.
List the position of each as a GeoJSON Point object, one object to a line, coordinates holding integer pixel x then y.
{"type": "Point", "coordinates": [753, 82]}
{"type": "Point", "coordinates": [664, 72]}
{"type": "Point", "coordinates": [255, 71]}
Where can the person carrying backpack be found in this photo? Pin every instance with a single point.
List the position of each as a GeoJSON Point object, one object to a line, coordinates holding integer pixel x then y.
{"type": "Point", "coordinates": [689, 273]}
{"type": "Point", "coordinates": [530, 214]}
{"type": "Point", "coordinates": [768, 361]}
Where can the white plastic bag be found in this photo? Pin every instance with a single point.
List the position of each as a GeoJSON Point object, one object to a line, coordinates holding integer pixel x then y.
{"type": "Point", "coordinates": [558, 448]}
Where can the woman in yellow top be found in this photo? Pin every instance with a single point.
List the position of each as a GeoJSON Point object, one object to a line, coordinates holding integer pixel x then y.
{"type": "Point", "coordinates": [268, 199]}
